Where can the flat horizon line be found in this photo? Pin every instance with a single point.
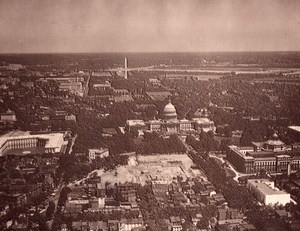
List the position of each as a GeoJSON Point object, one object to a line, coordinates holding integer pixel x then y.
{"type": "Point", "coordinates": [142, 52]}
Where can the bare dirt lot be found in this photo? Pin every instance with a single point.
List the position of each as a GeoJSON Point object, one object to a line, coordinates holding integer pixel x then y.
{"type": "Point", "coordinates": [153, 167]}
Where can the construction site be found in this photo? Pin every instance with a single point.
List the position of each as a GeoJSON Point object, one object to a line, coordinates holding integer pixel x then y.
{"type": "Point", "coordinates": [144, 168]}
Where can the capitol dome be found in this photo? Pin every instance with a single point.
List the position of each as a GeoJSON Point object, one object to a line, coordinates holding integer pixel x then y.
{"type": "Point", "coordinates": [169, 112]}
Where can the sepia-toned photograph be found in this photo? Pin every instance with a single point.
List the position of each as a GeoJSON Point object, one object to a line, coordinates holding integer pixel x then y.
{"type": "Point", "coordinates": [149, 115]}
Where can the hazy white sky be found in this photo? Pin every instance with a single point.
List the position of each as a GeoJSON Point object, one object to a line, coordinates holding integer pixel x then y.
{"type": "Point", "coordinates": [149, 25]}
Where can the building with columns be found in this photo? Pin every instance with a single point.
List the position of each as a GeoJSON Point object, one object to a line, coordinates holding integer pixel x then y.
{"type": "Point", "coordinates": [24, 142]}
{"type": "Point", "coordinates": [272, 155]}
{"type": "Point", "coordinates": [169, 123]}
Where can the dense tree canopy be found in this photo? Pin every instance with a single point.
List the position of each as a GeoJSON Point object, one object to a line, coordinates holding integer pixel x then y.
{"type": "Point", "coordinates": [153, 143]}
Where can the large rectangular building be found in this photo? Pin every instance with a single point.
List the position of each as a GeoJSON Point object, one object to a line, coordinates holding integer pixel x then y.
{"type": "Point", "coordinates": [265, 191]}
{"type": "Point", "coordinates": [184, 125]}
{"type": "Point", "coordinates": [170, 124]}
{"type": "Point", "coordinates": [252, 160]}
{"type": "Point", "coordinates": [25, 143]}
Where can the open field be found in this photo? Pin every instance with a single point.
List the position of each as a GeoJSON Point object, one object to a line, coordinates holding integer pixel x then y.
{"type": "Point", "coordinates": [153, 167]}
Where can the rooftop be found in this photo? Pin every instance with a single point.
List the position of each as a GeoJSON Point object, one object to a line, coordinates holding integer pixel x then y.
{"type": "Point", "coordinates": [237, 151]}
{"type": "Point", "coordinates": [295, 128]}
{"type": "Point", "coordinates": [266, 187]}
{"type": "Point", "coordinates": [246, 148]}
{"type": "Point", "coordinates": [25, 151]}
{"type": "Point", "coordinates": [154, 93]}
{"type": "Point", "coordinates": [8, 112]}
{"type": "Point", "coordinates": [121, 90]}
{"type": "Point", "coordinates": [202, 120]}
{"type": "Point", "coordinates": [135, 122]}
{"type": "Point", "coordinates": [262, 154]}
{"type": "Point", "coordinates": [53, 140]}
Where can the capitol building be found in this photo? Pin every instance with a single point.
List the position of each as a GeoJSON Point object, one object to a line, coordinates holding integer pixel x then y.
{"type": "Point", "coordinates": [170, 124]}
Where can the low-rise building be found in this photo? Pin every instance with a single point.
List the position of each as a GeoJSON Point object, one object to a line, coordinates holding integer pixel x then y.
{"type": "Point", "coordinates": [235, 224]}
{"type": "Point", "coordinates": [130, 224]}
{"type": "Point", "coordinates": [265, 191]}
{"type": "Point", "coordinates": [159, 95]}
{"type": "Point", "coordinates": [122, 98]}
{"type": "Point", "coordinates": [98, 153]}
{"type": "Point", "coordinates": [204, 124]}
{"type": "Point", "coordinates": [73, 87]}
{"type": "Point", "coordinates": [196, 218]}
{"type": "Point", "coordinates": [8, 117]}
{"type": "Point", "coordinates": [175, 223]}
{"type": "Point", "coordinates": [103, 87]}
{"type": "Point", "coordinates": [70, 117]}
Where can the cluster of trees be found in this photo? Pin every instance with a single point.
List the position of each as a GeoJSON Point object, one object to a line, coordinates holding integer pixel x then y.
{"type": "Point", "coordinates": [252, 131]}
{"type": "Point", "coordinates": [131, 84]}
{"type": "Point", "coordinates": [50, 210]}
{"type": "Point", "coordinates": [224, 130]}
{"type": "Point", "coordinates": [203, 143]}
{"type": "Point", "coordinates": [119, 113]}
{"type": "Point", "coordinates": [63, 196]}
{"type": "Point", "coordinates": [71, 168]}
{"type": "Point", "coordinates": [39, 199]}
{"type": "Point", "coordinates": [191, 96]}
{"type": "Point", "coordinates": [109, 162]}
{"type": "Point", "coordinates": [89, 130]}
{"type": "Point", "coordinates": [58, 218]}
{"type": "Point", "coordinates": [198, 187]}
{"type": "Point", "coordinates": [121, 143]}
{"type": "Point", "coordinates": [153, 143]}
{"type": "Point", "coordinates": [149, 206]}
{"type": "Point", "coordinates": [221, 117]}
{"type": "Point", "coordinates": [255, 131]}
{"type": "Point", "coordinates": [41, 220]}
